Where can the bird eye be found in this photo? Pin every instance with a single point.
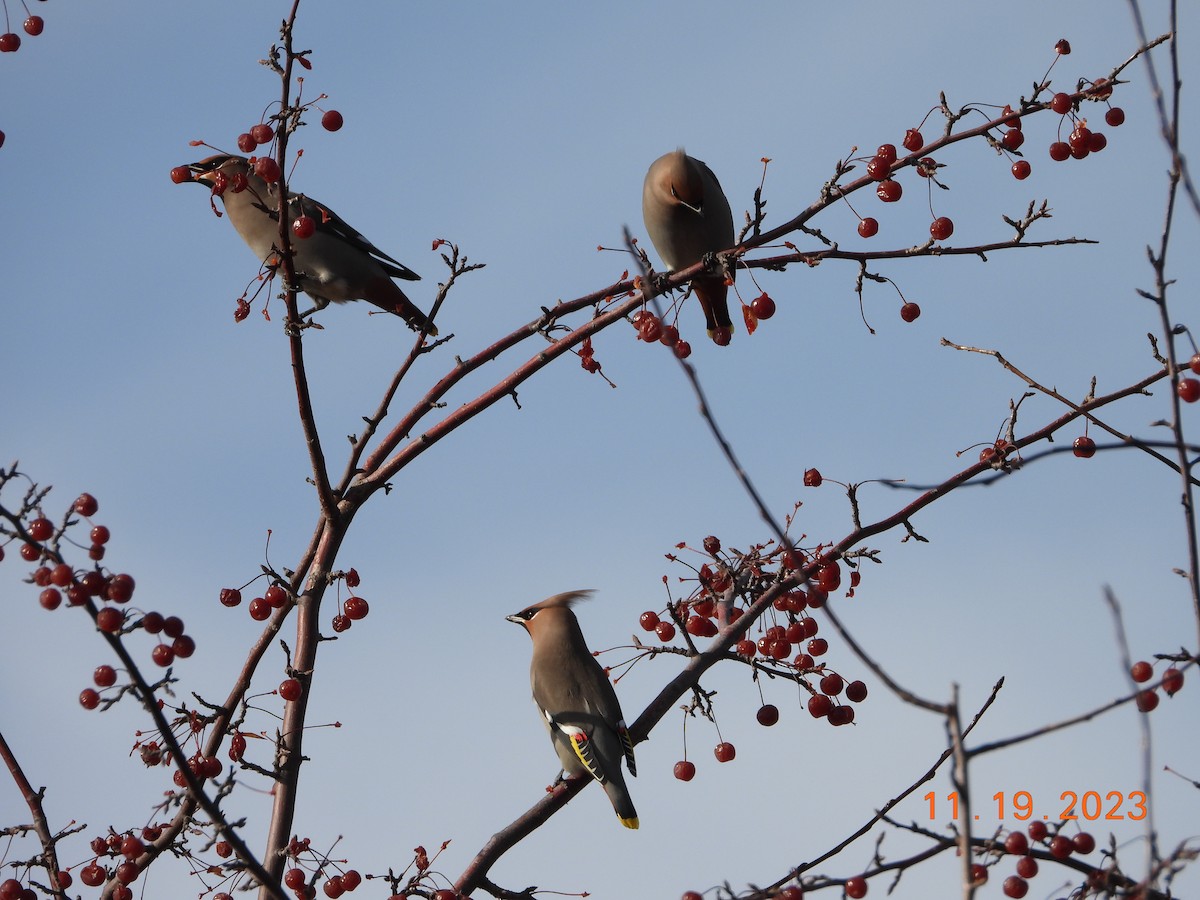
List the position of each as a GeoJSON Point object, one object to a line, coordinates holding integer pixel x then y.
{"type": "Point", "coordinates": [527, 614]}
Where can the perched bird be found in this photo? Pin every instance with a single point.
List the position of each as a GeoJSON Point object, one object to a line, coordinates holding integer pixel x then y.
{"type": "Point", "coordinates": [687, 216]}
{"type": "Point", "coordinates": [335, 263]}
{"type": "Point", "coordinates": [577, 700]}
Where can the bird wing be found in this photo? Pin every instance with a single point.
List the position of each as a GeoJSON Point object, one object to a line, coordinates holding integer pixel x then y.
{"type": "Point", "coordinates": [333, 225]}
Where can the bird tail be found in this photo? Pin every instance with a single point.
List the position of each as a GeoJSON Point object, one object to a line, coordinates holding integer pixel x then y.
{"type": "Point", "coordinates": [386, 294]}
{"type": "Point", "coordinates": [622, 802]}
{"type": "Point", "coordinates": [712, 294]}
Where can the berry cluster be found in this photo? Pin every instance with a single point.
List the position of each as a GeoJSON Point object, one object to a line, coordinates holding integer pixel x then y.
{"type": "Point", "coordinates": [1147, 699]}
{"type": "Point", "coordinates": [650, 328]}
{"type": "Point", "coordinates": [10, 42]}
{"type": "Point", "coordinates": [789, 644]}
{"type": "Point", "coordinates": [60, 580]}
{"type": "Point", "coordinates": [303, 883]}
{"type": "Point", "coordinates": [1059, 846]}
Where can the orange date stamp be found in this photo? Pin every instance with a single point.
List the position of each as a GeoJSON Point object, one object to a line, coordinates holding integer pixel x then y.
{"type": "Point", "coordinates": [1089, 806]}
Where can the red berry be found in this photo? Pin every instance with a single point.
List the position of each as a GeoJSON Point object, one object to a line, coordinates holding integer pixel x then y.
{"type": "Point", "coordinates": [856, 691]}
{"type": "Point", "coordinates": [93, 875]}
{"type": "Point", "coordinates": [1141, 671]}
{"type": "Point", "coordinates": [1027, 867]}
{"type": "Point", "coordinates": [1147, 701]}
{"type": "Point", "coordinates": [351, 879]}
{"type": "Point", "coordinates": [812, 478]}
{"type": "Point", "coordinates": [163, 655]}
{"type": "Point", "coordinates": [909, 312]}
{"type": "Point", "coordinates": [886, 152]}
{"type": "Point", "coordinates": [172, 626]}
{"type": "Point", "coordinates": [31, 552]}
{"type": "Point", "coordinates": [152, 622]}
{"type": "Point", "coordinates": [1084, 447]}
{"type": "Point", "coordinates": [889, 191]}
{"type": "Point", "coordinates": [685, 770]}
{"type": "Point", "coordinates": [237, 749]}
{"type": "Point", "coordinates": [341, 623]}
{"type": "Point", "coordinates": [1015, 887]}
{"type": "Point", "coordinates": [357, 608]}
{"type": "Point", "coordinates": [1061, 846]}
{"type": "Point", "coordinates": [289, 689]}
{"type": "Point", "coordinates": [1016, 844]}
{"type": "Point", "coordinates": [913, 140]}
{"type": "Point", "coordinates": [88, 698]}
{"type": "Point", "coordinates": [9, 42]}
{"type": "Point", "coordinates": [100, 534]}
{"type": "Point", "coordinates": [267, 169]}
{"type": "Point", "coordinates": [260, 609]}
{"type": "Point", "coordinates": [724, 751]}
{"type": "Point", "coordinates": [791, 892]}
{"type": "Point", "coordinates": [832, 684]}
{"type": "Point", "coordinates": [1013, 139]}
{"type": "Point", "coordinates": [1021, 169]}
{"type": "Point", "coordinates": [767, 715]}
{"type": "Point", "coordinates": [879, 168]}
{"type": "Point", "coordinates": [1061, 103]}
{"type": "Point", "coordinates": [721, 336]}
{"type": "Point", "coordinates": [1084, 843]}
{"type": "Point", "coordinates": [745, 647]}
{"type": "Point", "coordinates": [34, 26]}
{"type": "Point", "coordinates": [50, 598]}
{"type": "Point", "coordinates": [62, 575]}
{"type": "Point", "coordinates": [683, 350]}
{"type": "Point", "coordinates": [332, 121]}
{"type": "Point", "coordinates": [110, 619]}
{"type": "Point", "coordinates": [1060, 150]}
{"type": "Point", "coordinates": [333, 887]}
{"type": "Point", "coordinates": [1098, 142]}
{"type": "Point", "coordinates": [1037, 831]}
{"type": "Point", "coordinates": [1189, 390]}
{"type": "Point", "coordinates": [669, 336]}
{"type": "Point", "coordinates": [179, 175]}
{"type": "Point", "coordinates": [648, 620]}
{"type": "Point", "coordinates": [230, 597]}
{"type": "Point", "coordinates": [119, 588]}
{"type": "Point", "coordinates": [1172, 681]}
{"type": "Point", "coordinates": [763, 306]}
{"type": "Point", "coordinates": [856, 887]}
{"type": "Point", "coordinates": [665, 631]}
{"type": "Point", "coordinates": [868, 227]}
{"type": "Point", "coordinates": [132, 846]}
{"type": "Point", "coordinates": [104, 676]}
{"type": "Point", "coordinates": [1063, 47]}
{"type": "Point", "coordinates": [841, 715]}
{"type": "Point", "coordinates": [246, 143]}
{"type": "Point", "coordinates": [304, 227]}
{"type": "Point", "coordinates": [979, 874]}
{"type": "Point", "coordinates": [1080, 139]}
{"type": "Point", "coordinates": [183, 646]}
{"type": "Point", "coordinates": [262, 133]}
{"type": "Point", "coordinates": [1194, 363]}
{"type": "Point", "coordinates": [941, 228]}
{"type": "Point", "coordinates": [294, 878]}
{"type": "Point", "coordinates": [819, 706]}
{"type": "Point", "coordinates": [1114, 117]}
{"type": "Point", "coordinates": [41, 529]}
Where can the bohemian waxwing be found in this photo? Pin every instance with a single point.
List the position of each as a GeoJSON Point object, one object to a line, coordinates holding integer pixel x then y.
{"type": "Point", "coordinates": [687, 216]}
{"type": "Point", "coordinates": [577, 701]}
{"type": "Point", "coordinates": [335, 263]}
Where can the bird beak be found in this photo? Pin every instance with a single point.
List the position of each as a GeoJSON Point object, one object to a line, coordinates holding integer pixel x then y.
{"type": "Point", "coordinates": [515, 619]}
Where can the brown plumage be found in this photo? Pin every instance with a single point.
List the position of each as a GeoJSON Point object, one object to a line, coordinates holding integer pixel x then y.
{"type": "Point", "coordinates": [687, 217]}
{"type": "Point", "coordinates": [335, 264]}
{"type": "Point", "coordinates": [577, 700]}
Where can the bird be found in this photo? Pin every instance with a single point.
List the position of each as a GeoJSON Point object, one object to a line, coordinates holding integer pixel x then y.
{"type": "Point", "coordinates": [335, 263]}
{"type": "Point", "coordinates": [577, 701]}
{"type": "Point", "coordinates": [687, 217]}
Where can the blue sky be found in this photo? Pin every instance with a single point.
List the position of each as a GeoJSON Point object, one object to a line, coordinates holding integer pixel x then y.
{"type": "Point", "coordinates": [523, 135]}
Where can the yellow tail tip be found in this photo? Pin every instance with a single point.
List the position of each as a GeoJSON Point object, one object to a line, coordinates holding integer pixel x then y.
{"type": "Point", "coordinates": [629, 823]}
